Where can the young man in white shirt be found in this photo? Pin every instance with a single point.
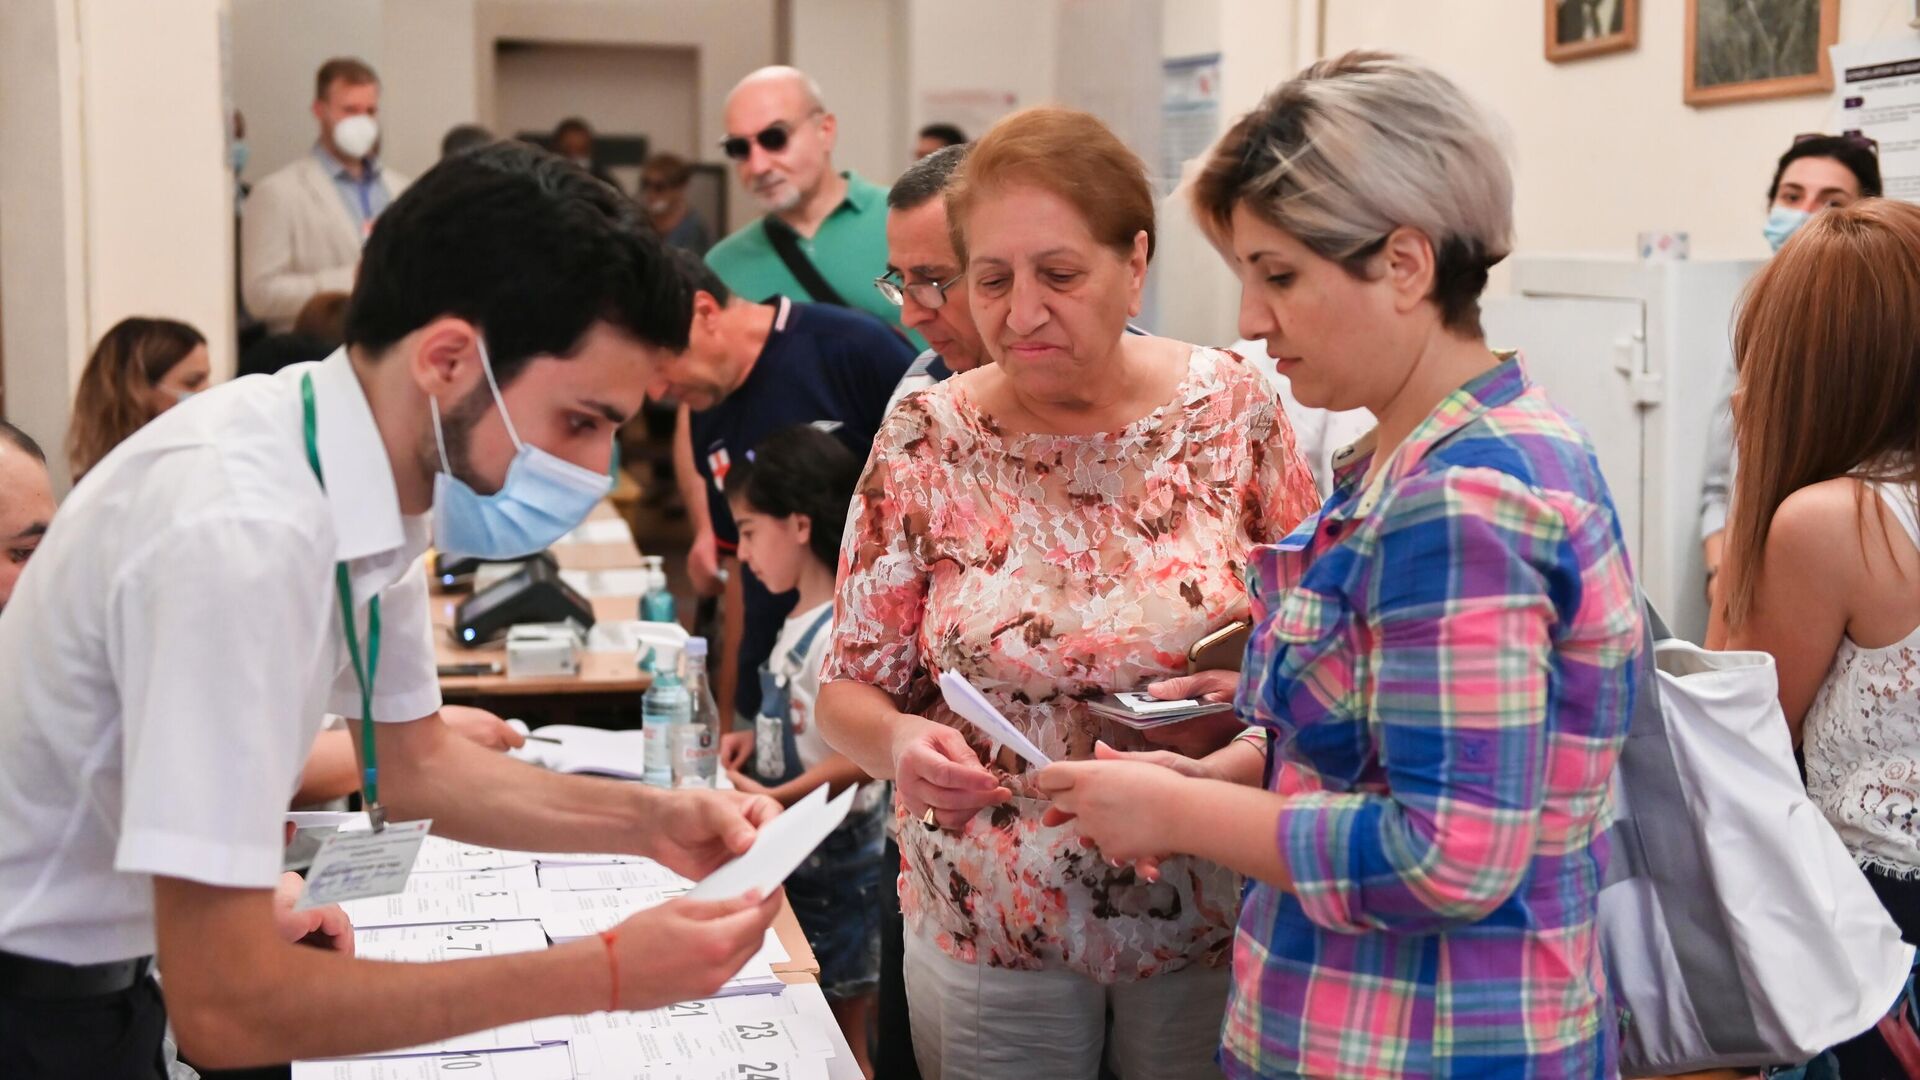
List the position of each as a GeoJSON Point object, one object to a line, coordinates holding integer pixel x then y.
{"type": "Point", "coordinates": [169, 654]}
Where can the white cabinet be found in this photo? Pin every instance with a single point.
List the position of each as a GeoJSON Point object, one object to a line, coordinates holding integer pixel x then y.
{"type": "Point", "coordinates": [1635, 352]}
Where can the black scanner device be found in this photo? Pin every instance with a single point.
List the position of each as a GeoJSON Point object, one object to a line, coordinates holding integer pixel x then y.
{"type": "Point", "coordinates": [454, 574]}
{"type": "Point", "coordinates": [533, 594]}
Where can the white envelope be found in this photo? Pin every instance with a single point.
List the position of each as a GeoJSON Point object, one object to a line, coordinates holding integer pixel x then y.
{"type": "Point", "coordinates": [781, 847]}
{"type": "Point", "coordinates": [974, 707]}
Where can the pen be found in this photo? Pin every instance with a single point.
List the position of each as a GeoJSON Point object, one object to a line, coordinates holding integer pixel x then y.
{"type": "Point", "coordinates": [544, 738]}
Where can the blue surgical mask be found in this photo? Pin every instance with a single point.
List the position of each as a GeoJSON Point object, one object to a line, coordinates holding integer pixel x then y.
{"type": "Point", "coordinates": [1783, 222]}
{"type": "Point", "coordinates": [237, 156]}
{"type": "Point", "coordinates": [543, 497]}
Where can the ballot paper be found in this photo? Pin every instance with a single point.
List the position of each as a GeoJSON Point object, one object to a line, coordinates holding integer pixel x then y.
{"type": "Point", "coordinates": [567, 916]}
{"type": "Point", "coordinates": [447, 941]}
{"type": "Point", "coordinates": [569, 748]}
{"type": "Point", "coordinates": [546, 859]}
{"type": "Point", "coordinates": [515, 1036]}
{"type": "Point", "coordinates": [640, 875]}
{"type": "Point", "coordinates": [468, 896]}
{"type": "Point", "coordinates": [974, 708]}
{"type": "Point", "coordinates": [709, 1012]}
{"type": "Point", "coordinates": [782, 845]}
{"type": "Point", "coordinates": [745, 1068]}
{"type": "Point", "coordinates": [764, 1028]}
{"type": "Point", "coordinates": [570, 916]}
{"type": "Point", "coordinates": [440, 855]}
{"type": "Point", "coordinates": [545, 1063]}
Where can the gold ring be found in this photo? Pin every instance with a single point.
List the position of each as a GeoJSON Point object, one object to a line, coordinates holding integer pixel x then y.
{"type": "Point", "coordinates": [927, 820]}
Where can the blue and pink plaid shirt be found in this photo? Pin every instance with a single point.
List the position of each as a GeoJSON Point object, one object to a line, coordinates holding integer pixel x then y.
{"type": "Point", "coordinates": [1444, 662]}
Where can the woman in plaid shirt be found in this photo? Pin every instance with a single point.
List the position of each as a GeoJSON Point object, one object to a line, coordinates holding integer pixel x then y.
{"type": "Point", "coordinates": [1443, 661]}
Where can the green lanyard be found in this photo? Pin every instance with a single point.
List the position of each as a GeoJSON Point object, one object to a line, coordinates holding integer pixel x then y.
{"type": "Point", "coordinates": [363, 673]}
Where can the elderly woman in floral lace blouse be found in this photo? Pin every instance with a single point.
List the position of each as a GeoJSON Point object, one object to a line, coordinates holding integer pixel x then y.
{"type": "Point", "coordinates": [1061, 523]}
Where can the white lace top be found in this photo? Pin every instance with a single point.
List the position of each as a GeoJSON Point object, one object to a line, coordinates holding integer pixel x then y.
{"type": "Point", "coordinates": [1862, 738]}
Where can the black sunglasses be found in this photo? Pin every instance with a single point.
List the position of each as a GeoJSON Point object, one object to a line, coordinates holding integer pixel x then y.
{"type": "Point", "coordinates": [772, 138]}
{"type": "Point", "coordinates": [1853, 138]}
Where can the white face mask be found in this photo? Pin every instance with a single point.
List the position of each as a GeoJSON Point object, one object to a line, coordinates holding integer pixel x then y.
{"type": "Point", "coordinates": [356, 135]}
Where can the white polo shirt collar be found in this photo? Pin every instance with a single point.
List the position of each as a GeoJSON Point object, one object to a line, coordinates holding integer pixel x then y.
{"type": "Point", "coordinates": [360, 491]}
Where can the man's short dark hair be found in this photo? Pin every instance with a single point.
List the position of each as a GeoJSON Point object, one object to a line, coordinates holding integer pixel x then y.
{"type": "Point", "coordinates": [525, 246]}
{"type": "Point", "coordinates": [348, 69]}
{"type": "Point", "coordinates": [946, 133]}
{"type": "Point", "coordinates": [22, 440]}
{"type": "Point", "coordinates": [696, 275]}
{"type": "Point", "coordinates": [1860, 157]}
{"type": "Point", "coordinates": [569, 125]}
{"type": "Point", "coordinates": [925, 179]}
{"type": "Point", "coordinates": [461, 137]}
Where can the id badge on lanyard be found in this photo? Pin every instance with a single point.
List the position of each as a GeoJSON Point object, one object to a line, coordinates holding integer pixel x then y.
{"type": "Point", "coordinates": [375, 862]}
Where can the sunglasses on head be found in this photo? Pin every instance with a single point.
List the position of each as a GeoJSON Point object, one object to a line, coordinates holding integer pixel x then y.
{"type": "Point", "coordinates": [1852, 138]}
{"type": "Point", "coordinates": [773, 138]}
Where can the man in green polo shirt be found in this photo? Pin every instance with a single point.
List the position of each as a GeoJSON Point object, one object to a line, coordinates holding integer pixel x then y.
{"type": "Point", "coordinates": [832, 225]}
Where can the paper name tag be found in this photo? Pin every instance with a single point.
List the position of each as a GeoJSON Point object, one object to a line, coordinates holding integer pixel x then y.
{"type": "Point", "coordinates": [361, 864]}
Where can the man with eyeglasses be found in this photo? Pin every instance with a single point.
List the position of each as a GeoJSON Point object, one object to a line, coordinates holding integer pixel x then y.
{"type": "Point", "coordinates": [823, 237]}
{"type": "Point", "coordinates": [925, 281]}
{"type": "Point", "coordinates": [924, 278]}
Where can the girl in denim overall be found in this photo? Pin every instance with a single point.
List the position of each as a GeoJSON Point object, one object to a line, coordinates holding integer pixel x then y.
{"type": "Point", "coordinates": [790, 499]}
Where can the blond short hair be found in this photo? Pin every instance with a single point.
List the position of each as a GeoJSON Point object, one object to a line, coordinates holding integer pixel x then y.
{"type": "Point", "coordinates": [1359, 145]}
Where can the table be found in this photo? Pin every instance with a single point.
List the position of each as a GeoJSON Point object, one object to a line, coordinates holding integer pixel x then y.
{"type": "Point", "coordinates": [801, 966]}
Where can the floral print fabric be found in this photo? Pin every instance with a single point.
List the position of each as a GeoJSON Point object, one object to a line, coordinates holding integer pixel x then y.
{"type": "Point", "coordinates": [1047, 570]}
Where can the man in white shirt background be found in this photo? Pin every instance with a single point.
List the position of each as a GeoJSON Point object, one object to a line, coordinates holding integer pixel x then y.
{"type": "Point", "coordinates": [172, 646]}
{"type": "Point", "coordinates": [302, 228]}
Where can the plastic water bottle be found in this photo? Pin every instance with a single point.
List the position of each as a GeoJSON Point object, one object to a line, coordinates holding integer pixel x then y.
{"type": "Point", "coordinates": [664, 708]}
{"type": "Point", "coordinates": [696, 758]}
{"type": "Point", "coordinates": [656, 604]}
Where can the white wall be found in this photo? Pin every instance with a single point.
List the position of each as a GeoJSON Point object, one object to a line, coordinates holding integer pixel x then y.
{"type": "Point", "coordinates": [114, 191]}
{"type": "Point", "coordinates": [438, 66]}
{"type": "Point", "coordinates": [1604, 148]}
{"type": "Point", "coordinates": [618, 89]}
{"type": "Point", "coordinates": [1255, 40]}
{"type": "Point", "coordinates": [731, 37]}
{"type": "Point", "coordinates": [998, 46]}
{"type": "Point", "coordinates": [436, 88]}
{"type": "Point", "coordinates": [851, 48]}
{"type": "Point", "coordinates": [42, 218]}
{"type": "Point", "coordinates": [278, 46]}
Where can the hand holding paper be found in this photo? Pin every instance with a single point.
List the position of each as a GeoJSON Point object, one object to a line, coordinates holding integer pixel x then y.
{"type": "Point", "coordinates": [783, 844]}
{"type": "Point", "coordinates": [696, 831]}
{"type": "Point", "coordinates": [974, 707]}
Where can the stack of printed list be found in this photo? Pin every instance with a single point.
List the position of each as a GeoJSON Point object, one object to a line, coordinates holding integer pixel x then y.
{"type": "Point", "coordinates": [464, 901]}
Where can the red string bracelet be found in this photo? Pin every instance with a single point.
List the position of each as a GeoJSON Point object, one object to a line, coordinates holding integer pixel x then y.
{"type": "Point", "coordinates": [613, 968]}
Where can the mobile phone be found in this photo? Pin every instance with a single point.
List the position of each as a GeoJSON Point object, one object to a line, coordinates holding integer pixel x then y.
{"type": "Point", "coordinates": [1220, 650]}
{"type": "Point", "coordinates": [480, 667]}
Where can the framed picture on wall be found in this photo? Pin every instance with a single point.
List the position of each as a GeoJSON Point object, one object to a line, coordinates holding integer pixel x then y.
{"type": "Point", "coordinates": [1577, 29]}
{"type": "Point", "coordinates": [1749, 50]}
